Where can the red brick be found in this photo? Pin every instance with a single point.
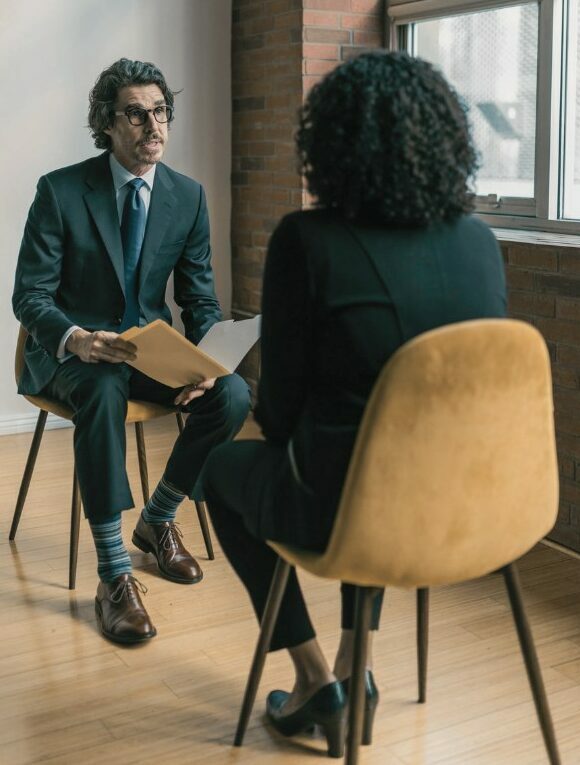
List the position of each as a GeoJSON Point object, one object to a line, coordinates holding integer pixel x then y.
{"type": "Point", "coordinates": [281, 164]}
{"type": "Point", "coordinates": [567, 354]}
{"type": "Point", "coordinates": [567, 443]}
{"type": "Point", "coordinates": [321, 19]}
{"type": "Point", "coordinates": [319, 35]}
{"type": "Point", "coordinates": [321, 51]}
{"type": "Point", "coordinates": [368, 39]}
{"type": "Point", "coordinates": [567, 402]}
{"type": "Point", "coordinates": [287, 180]}
{"type": "Point", "coordinates": [570, 262]}
{"type": "Point", "coordinates": [259, 25]}
{"type": "Point", "coordinates": [538, 258]}
{"type": "Point", "coordinates": [283, 6]}
{"type": "Point", "coordinates": [363, 23]}
{"type": "Point", "coordinates": [519, 279]}
{"type": "Point", "coordinates": [350, 51]}
{"type": "Point", "coordinates": [564, 516]}
{"type": "Point", "coordinates": [260, 239]}
{"type": "Point", "coordinates": [328, 5]}
{"type": "Point", "coordinates": [367, 6]}
{"type": "Point", "coordinates": [570, 491]}
{"type": "Point", "coordinates": [309, 81]}
{"type": "Point", "coordinates": [532, 304]}
{"type": "Point", "coordinates": [559, 331]}
{"type": "Point", "coordinates": [286, 148]}
{"type": "Point", "coordinates": [567, 308]}
{"type": "Point", "coordinates": [282, 101]}
{"type": "Point", "coordinates": [566, 377]}
{"type": "Point", "coordinates": [289, 20]}
{"type": "Point", "coordinates": [566, 467]}
{"type": "Point", "coordinates": [319, 67]}
{"type": "Point", "coordinates": [261, 148]}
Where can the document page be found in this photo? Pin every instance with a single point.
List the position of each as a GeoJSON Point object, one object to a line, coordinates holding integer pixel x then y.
{"type": "Point", "coordinates": [227, 342]}
{"type": "Point", "coordinates": [166, 355]}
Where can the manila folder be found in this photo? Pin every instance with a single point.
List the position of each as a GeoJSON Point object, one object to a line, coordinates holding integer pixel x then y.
{"type": "Point", "coordinates": [166, 355]}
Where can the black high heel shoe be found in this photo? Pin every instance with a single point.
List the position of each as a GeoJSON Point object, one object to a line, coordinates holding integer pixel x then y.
{"type": "Point", "coordinates": [371, 701]}
{"type": "Point", "coordinates": [327, 708]}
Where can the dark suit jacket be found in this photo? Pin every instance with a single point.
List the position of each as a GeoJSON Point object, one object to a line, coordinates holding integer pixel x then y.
{"type": "Point", "coordinates": [70, 266]}
{"type": "Point", "coordinates": [338, 300]}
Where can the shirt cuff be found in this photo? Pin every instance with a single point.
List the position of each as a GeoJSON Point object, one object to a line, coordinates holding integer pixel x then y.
{"type": "Point", "coordinates": [61, 353]}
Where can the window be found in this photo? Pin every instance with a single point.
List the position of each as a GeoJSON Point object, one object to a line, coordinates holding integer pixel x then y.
{"type": "Point", "coordinates": [516, 64]}
{"type": "Point", "coordinates": [571, 143]}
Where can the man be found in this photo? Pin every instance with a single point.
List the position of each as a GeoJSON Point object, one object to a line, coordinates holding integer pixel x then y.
{"type": "Point", "coordinates": [101, 241]}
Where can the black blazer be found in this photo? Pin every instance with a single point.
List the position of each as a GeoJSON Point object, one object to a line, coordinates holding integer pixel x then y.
{"type": "Point", "coordinates": [338, 301]}
{"type": "Point", "coordinates": [70, 266]}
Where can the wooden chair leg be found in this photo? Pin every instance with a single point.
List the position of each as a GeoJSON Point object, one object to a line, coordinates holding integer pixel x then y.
{"type": "Point", "coordinates": [201, 508]}
{"type": "Point", "coordinates": [269, 618]}
{"type": "Point", "coordinates": [28, 470]}
{"type": "Point", "coordinates": [356, 702]}
{"type": "Point", "coordinates": [142, 456]}
{"type": "Point", "coordinates": [512, 583]}
{"type": "Point", "coordinates": [75, 522]}
{"type": "Point", "coordinates": [422, 640]}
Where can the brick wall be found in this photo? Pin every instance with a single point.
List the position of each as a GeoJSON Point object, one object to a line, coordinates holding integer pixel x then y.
{"type": "Point", "coordinates": [279, 49]}
{"type": "Point", "coordinates": [544, 289]}
{"type": "Point", "coordinates": [266, 93]}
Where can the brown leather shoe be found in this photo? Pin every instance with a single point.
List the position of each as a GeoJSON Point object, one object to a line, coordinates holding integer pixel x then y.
{"type": "Point", "coordinates": [164, 541]}
{"type": "Point", "coordinates": [121, 615]}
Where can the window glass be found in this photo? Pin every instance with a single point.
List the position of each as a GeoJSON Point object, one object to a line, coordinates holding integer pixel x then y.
{"type": "Point", "coordinates": [491, 58]}
{"type": "Point", "coordinates": [571, 143]}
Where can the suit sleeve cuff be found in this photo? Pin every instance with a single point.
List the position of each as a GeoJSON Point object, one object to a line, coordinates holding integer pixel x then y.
{"type": "Point", "coordinates": [61, 353]}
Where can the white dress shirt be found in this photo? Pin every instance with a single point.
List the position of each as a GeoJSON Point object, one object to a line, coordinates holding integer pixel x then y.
{"type": "Point", "coordinates": [121, 177]}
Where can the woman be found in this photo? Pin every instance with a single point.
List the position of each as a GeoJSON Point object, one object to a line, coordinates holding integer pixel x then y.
{"type": "Point", "coordinates": [389, 252]}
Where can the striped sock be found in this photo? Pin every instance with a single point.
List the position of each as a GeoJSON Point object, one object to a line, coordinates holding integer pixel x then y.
{"type": "Point", "coordinates": [113, 558]}
{"type": "Point", "coordinates": [163, 503]}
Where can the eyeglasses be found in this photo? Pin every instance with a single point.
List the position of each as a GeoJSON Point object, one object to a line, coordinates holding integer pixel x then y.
{"type": "Point", "coordinates": [138, 116]}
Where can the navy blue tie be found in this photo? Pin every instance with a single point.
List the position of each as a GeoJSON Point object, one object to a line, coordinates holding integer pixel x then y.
{"type": "Point", "coordinates": [132, 233]}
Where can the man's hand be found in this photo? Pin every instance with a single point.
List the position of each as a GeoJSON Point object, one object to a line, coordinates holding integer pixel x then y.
{"type": "Point", "coordinates": [94, 347]}
{"type": "Point", "coordinates": [193, 391]}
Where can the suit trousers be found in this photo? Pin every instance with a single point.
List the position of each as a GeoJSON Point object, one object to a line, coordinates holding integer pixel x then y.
{"type": "Point", "coordinates": [252, 495]}
{"type": "Point", "coordinates": [98, 395]}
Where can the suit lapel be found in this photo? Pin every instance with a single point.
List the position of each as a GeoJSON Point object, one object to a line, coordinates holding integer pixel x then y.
{"type": "Point", "coordinates": [102, 205]}
{"type": "Point", "coordinates": [158, 219]}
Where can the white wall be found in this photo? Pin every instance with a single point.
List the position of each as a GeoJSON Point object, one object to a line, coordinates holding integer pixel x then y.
{"type": "Point", "coordinates": [51, 52]}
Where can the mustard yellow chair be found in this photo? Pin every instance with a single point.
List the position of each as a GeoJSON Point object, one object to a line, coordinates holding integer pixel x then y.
{"type": "Point", "coordinates": [138, 412]}
{"type": "Point", "coordinates": [453, 476]}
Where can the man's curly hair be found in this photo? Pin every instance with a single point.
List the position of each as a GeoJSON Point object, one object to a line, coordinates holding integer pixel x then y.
{"type": "Point", "coordinates": [103, 96]}
{"type": "Point", "coordinates": [384, 138]}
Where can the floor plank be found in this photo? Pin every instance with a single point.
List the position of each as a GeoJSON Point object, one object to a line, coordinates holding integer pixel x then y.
{"type": "Point", "coordinates": [67, 695]}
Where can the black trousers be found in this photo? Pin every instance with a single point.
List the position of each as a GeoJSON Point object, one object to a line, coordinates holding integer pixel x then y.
{"type": "Point", "coordinates": [98, 395]}
{"type": "Point", "coordinates": [252, 496]}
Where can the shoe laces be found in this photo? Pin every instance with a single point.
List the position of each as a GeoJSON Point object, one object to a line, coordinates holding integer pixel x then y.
{"type": "Point", "coordinates": [171, 536]}
{"type": "Point", "coordinates": [127, 589]}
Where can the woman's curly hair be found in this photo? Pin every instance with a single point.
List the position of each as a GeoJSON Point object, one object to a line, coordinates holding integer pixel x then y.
{"type": "Point", "coordinates": [384, 138]}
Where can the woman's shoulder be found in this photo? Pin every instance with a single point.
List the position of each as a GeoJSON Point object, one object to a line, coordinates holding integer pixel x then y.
{"type": "Point", "coordinates": [471, 224]}
{"type": "Point", "coordinates": [315, 216]}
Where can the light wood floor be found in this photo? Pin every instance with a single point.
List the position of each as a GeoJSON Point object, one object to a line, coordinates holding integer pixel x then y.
{"type": "Point", "coordinates": [68, 696]}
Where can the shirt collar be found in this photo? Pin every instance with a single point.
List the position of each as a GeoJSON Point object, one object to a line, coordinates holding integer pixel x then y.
{"type": "Point", "coordinates": [122, 176]}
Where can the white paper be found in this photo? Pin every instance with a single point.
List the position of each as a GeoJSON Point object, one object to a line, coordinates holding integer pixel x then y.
{"type": "Point", "coordinates": [228, 341]}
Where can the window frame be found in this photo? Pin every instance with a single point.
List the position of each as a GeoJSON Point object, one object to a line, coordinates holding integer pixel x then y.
{"type": "Point", "coordinates": [540, 212]}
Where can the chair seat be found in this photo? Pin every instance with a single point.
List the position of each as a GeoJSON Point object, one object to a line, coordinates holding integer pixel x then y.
{"type": "Point", "coordinates": [137, 411]}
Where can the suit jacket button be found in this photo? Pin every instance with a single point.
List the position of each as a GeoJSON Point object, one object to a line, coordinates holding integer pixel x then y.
{"type": "Point", "coordinates": [118, 320]}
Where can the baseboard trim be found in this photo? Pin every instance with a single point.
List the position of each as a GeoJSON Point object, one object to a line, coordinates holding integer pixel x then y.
{"type": "Point", "coordinates": [561, 548]}
{"type": "Point", "coordinates": [25, 423]}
